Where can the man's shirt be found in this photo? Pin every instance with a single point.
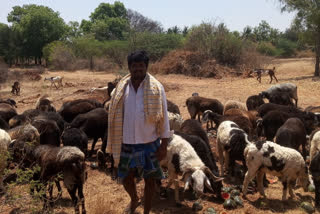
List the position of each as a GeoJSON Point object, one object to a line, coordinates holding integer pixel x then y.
{"type": "Point", "coordinates": [136, 130]}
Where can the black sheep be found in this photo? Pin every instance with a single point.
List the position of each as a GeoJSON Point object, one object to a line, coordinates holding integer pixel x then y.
{"type": "Point", "coordinates": [94, 123]}
{"type": "Point", "coordinates": [193, 127]}
{"type": "Point", "coordinates": [253, 102]}
{"type": "Point", "coordinates": [75, 137]}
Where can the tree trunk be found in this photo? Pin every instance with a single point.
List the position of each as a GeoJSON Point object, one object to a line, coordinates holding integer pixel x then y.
{"type": "Point", "coordinates": [91, 63]}
{"type": "Point", "coordinates": [317, 50]}
{"type": "Point", "coordinates": [40, 61]}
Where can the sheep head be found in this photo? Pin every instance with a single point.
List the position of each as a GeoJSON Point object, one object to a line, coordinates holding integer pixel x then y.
{"type": "Point", "coordinates": [197, 178]}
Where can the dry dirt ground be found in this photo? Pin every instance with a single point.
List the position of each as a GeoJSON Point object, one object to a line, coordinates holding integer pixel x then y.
{"type": "Point", "coordinates": [103, 195]}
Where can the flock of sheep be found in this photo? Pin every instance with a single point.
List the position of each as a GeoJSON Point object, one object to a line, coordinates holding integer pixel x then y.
{"type": "Point", "coordinates": [266, 137]}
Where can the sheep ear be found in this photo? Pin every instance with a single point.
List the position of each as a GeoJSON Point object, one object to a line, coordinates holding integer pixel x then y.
{"type": "Point", "coordinates": [208, 185]}
{"type": "Point", "coordinates": [187, 183]}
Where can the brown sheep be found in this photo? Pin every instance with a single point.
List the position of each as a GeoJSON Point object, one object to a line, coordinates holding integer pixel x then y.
{"type": "Point", "coordinates": [44, 103]}
{"type": "Point", "coordinates": [198, 105]}
{"type": "Point", "coordinates": [230, 104]}
{"type": "Point", "coordinates": [253, 102]}
{"type": "Point", "coordinates": [251, 115]}
{"type": "Point", "coordinates": [7, 111]}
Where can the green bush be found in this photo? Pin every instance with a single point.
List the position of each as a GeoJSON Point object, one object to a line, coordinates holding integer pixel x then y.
{"type": "Point", "coordinates": [117, 51]}
{"type": "Point", "coordinates": [156, 45]}
{"type": "Point", "coordinates": [268, 49]}
{"type": "Point", "coordinates": [59, 55]}
{"type": "Point", "coordinates": [286, 47]}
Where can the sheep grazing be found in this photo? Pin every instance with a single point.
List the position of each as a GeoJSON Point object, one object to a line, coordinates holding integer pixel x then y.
{"type": "Point", "coordinates": [69, 110]}
{"type": "Point", "coordinates": [205, 154]}
{"type": "Point", "coordinates": [292, 134]}
{"type": "Point", "coordinates": [198, 105]}
{"type": "Point", "coordinates": [230, 104]}
{"type": "Point", "coordinates": [267, 107]}
{"type": "Point", "coordinates": [44, 104]}
{"type": "Point", "coordinates": [18, 120]}
{"type": "Point", "coordinates": [75, 137]}
{"type": "Point", "coordinates": [172, 107]}
{"type": "Point", "coordinates": [7, 111]}
{"type": "Point", "coordinates": [315, 164]}
{"type": "Point", "coordinates": [251, 115]}
{"type": "Point", "coordinates": [15, 88]}
{"type": "Point", "coordinates": [289, 88]}
{"type": "Point", "coordinates": [268, 157]}
{"type": "Point", "coordinates": [55, 80]}
{"type": "Point", "coordinates": [10, 102]}
{"type": "Point", "coordinates": [231, 142]}
{"type": "Point", "coordinates": [3, 124]}
{"type": "Point", "coordinates": [94, 123]}
{"type": "Point", "coordinates": [280, 98]}
{"type": "Point", "coordinates": [4, 143]}
{"type": "Point", "coordinates": [175, 121]}
{"type": "Point", "coordinates": [69, 161]}
{"type": "Point", "coordinates": [25, 133]}
{"type": "Point", "coordinates": [242, 121]}
{"type": "Point", "coordinates": [253, 102]}
{"type": "Point", "coordinates": [193, 127]}
{"type": "Point", "coordinates": [48, 129]}
{"type": "Point", "coordinates": [182, 158]}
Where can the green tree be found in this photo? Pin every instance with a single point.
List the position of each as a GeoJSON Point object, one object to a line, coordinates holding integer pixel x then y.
{"type": "Point", "coordinates": [74, 29]}
{"type": "Point", "coordinates": [107, 22]}
{"type": "Point", "coordinates": [38, 26]}
{"type": "Point", "coordinates": [308, 16]}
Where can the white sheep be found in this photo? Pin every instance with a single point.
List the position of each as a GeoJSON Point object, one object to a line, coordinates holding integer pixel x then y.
{"type": "Point", "coordinates": [182, 158]}
{"type": "Point", "coordinates": [175, 121]}
{"type": "Point", "coordinates": [54, 80]}
{"type": "Point", "coordinates": [4, 143]}
{"type": "Point", "coordinates": [268, 157]}
{"type": "Point", "coordinates": [315, 163]}
{"type": "Point", "coordinates": [231, 142]}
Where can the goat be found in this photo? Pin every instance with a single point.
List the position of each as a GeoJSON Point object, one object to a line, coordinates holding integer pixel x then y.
{"type": "Point", "coordinates": [94, 123]}
{"type": "Point", "coordinates": [315, 163]}
{"type": "Point", "coordinates": [231, 142]}
{"type": "Point", "coordinates": [44, 103]}
{"type": "Point", "coordinates": [268, 157]}
{"type": "Point", "coordinates": [289, 88]}
{"type": "Point", "coordinates": [69, 110]}
{"type": "Point", "coordinates": [15, 88]}
{"type": "Point", "coordinates": [54, 80]}
{"type": "Point", "coordinates": [253, 102]}
{"type": "Point", "coordinates": [243, 122]}
{"type": "Point", "coordinates": [230, 104]}
{"type": "Point", "coordinates": [75, 137]}
{"type": "Point", "coordinates": [175, 121]}
{"type": "Point", "coordinates": [5, 140]}
{"type": "Point", "coordinates": [281, 98]}
{"type": "Point", "coordinates": [193, 127]}
{"type": "Point", "coordinates": [292, 134]}
{"type": "Point", "coordinates": [7, 111]}
{"type": "Point", "coordinates": [197, 106]}
{"type": "Point", "coordinates": [48, 129]}
{"type": "Point", "coordinates": [270, 72]}
{"type": "Point", "coordinates": [205, 154]}
{"type": "Point", "coordinates": [182, 158]}
{"type": "Point", "coordinates": [69, 161]}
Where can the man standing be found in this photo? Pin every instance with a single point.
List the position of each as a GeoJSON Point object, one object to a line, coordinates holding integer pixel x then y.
{"type": "Point", "coordinates": [137, 121]}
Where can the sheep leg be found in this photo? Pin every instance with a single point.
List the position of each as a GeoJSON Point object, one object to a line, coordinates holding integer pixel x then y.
{"type": "Point", "coordinates": [92, 146]}
{"type": "Point", "coordinates": [304, 151]}
{"type": "Point", "coordinates": [72, 193]}
{"type": "Point", "coordinates": [275, 77]}
{"type": "Point", "coordinates": [291, 185]}
{"type": "Point", "coordinates": [270, 79]}
{"type": "Point", "coordinates": [285, 188]}
{"type": "Point", "coordinates": [176, 192]}
{"type": "Point", "coordinates": [220, 152]}
{"type": "Point", "coordinates": [81, 196]}
{"type": "Point", "coordinates": [260, 176]}
{"type": "Point", "coordinates": [250, 174]}
{"type": "Point", "coordinates": [227, 160]}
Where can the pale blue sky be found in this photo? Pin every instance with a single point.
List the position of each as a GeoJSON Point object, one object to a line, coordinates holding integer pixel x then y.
{"type": "Point", "coordinates": [236, 14]}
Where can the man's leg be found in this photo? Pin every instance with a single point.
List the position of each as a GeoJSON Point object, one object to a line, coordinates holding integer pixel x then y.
{"type": "Point", "coordinates": [130, 187]}
{"type": "Point", "coordinates": [148, 194]}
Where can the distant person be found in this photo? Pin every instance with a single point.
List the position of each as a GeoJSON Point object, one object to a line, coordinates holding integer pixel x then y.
{"type": "Point", "coordinates": [137, 121]}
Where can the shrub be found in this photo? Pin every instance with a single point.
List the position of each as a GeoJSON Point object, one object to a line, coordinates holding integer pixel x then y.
{"type": "Point", "coordinates": [3, 72]}
{"type": "Point", "coordinates": [59, 56]}
{"type": "Point", "coordinates": [268, 49]}
{"type": "Point", "coordinates": [156, 45]}
{"type": "Point", "coordinates": [286, 47]}
{"type": "Point", "coordinates": [117, 51]}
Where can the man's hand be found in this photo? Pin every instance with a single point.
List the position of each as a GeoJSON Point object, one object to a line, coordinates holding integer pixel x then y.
{"type": "Point", "coordinates": [161, 153]}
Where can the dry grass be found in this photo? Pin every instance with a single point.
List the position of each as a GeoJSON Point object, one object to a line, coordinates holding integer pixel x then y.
{"type": "Point", "coordinates": [105, 196]}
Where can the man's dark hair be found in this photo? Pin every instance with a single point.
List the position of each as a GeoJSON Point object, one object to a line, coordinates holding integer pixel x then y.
{"type": "Point", "coordinates": [138, 56]}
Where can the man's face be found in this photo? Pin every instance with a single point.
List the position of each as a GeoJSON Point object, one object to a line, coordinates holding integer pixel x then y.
{"type": "Point", "coordinates": [138, 71]}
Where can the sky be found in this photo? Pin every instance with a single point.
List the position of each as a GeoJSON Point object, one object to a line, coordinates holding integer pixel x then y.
{"type": "Point", "coordinates": [236, 14]}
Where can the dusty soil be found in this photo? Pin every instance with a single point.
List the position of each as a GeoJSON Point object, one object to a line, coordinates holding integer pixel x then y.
{"type": "Point", "coordinates": [104, 195]}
